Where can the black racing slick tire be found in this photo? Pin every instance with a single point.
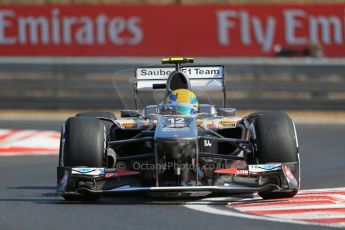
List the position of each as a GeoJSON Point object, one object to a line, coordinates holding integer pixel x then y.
{"type": "Point", "coordinates": [274, 140]}
{"type": "Point", "coordinates": [108, 124]}
{"type": "Point", "coordinates": [83, 143]}
{"type": "Point", "coordinates": [108, 115]}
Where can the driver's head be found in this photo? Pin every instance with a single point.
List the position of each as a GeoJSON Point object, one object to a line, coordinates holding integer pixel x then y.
{"type": "Point", "coordinates": [181, 102]}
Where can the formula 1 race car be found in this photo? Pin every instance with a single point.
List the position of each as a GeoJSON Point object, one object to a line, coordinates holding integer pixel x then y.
{"type": "Point", "coordinates": [177, 148]}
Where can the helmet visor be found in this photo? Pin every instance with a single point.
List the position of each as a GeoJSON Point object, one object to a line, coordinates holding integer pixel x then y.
{"type": "Point", "coordinates": [181, 108]}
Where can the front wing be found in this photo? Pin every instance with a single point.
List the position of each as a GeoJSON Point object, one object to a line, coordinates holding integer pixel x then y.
{"type": "Point", "coordinates": [108, 181]}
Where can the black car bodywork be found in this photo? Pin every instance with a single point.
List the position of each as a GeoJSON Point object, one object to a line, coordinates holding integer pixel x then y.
{"type": "Point", "coordinates": [172, 155]}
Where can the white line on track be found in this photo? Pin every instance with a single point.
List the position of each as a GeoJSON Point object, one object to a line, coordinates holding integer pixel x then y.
{"type": "Point", "coordinates": [287, 208]}
{"type": "Point", "coordinates": [282, 218]}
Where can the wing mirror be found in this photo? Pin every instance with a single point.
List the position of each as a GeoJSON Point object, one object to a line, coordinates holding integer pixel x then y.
{"type": "Point", "coordinates": [130, 113]}
{"type": "Point", "coordinates": [226, 112]}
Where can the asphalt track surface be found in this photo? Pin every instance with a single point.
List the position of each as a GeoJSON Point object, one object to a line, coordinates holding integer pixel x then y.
{"type": "Point", "coordinates": [28, 199]}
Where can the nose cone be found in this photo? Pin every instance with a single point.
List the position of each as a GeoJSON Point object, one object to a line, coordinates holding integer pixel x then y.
{"type": "Point", "coordinates": [177, 151]}
{"type": "Point", "coordinates": [176, 128]}
{"type": "Point", "coordinates": [176, 138]}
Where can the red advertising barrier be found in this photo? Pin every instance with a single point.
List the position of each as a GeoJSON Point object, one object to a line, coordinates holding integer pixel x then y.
{"type": "Point", "coordinates": [196, 30]}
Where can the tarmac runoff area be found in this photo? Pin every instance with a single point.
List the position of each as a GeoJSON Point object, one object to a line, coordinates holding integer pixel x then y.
{"type": "Point", "coordinates": [305, 117]}
{"type": "Point", "coordinates": [28, 183]}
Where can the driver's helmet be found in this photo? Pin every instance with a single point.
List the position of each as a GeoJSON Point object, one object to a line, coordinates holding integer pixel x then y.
{"type": "Point", "coordinates": [181, 102]}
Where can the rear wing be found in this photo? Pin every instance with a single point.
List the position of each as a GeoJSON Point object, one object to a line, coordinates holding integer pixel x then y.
{"type": "Point", "coordinates": [203, 78]}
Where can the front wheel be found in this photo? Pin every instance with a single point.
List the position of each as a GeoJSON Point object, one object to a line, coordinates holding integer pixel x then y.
{"type": "Point", "coordinates": [83, 143]}
{"type": "Point", "coordinates": [275, 141]}
{"type": "Point", "coordinates": [108, 115]}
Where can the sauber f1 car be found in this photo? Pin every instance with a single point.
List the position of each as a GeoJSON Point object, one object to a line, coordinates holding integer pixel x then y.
{"type": "Point", "coordinates": [152, 151]}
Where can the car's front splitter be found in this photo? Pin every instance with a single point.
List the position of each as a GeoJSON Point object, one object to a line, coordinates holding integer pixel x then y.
{"type": "Point", "coordinates": [69, 181]}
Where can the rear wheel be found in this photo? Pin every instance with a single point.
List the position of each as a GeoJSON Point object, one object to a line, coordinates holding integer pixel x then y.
{"type": "Point", "coordinates": [83, 143]}
{"type": "Point", "coordinates": [274, 140]}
